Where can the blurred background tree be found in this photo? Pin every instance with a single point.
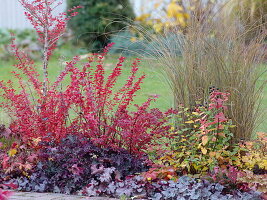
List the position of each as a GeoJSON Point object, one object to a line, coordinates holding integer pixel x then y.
{"type": "Point", "coordinates": [98, 20]}
{"type": "Point", "coordinates": [168, 15]}
{"type": "Point", "coordinates": [164, 15]}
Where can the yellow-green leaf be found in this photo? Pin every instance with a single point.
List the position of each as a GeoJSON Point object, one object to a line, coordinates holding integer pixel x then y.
{"type": "Point", "coordinates": [204, 169]}
{"type": "Point", "coordinates": [212, 154]}
{"type": "Point", "coordinates": [232, 126]}
{"type": "Point", "coordinates": [205, 140]}
{"type": "Point", "coordinates": [204, 151]}
{"type": "Point", "coordinates": [12, 152]}
{"type": "Point", "coordinates": [189, 122]}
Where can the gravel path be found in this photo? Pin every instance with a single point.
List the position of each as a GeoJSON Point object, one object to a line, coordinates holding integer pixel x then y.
{"type": "Point", "coordinates": [51, 196]}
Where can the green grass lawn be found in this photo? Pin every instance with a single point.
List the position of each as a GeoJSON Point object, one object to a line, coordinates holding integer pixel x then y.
{"type": "Point", "coordinates": [154, 83]}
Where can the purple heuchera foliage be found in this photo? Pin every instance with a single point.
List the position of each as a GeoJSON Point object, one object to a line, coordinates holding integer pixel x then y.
{"type": "Point", "coordinates": [76, 166]}
{"type": "Point", "coordinates": [74, 163]}
{"type": "Point", "coordinates": [185, 189]}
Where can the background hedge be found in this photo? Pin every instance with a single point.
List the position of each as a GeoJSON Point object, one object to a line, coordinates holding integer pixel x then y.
{"type": "Point", "coordinates": [98, 20]}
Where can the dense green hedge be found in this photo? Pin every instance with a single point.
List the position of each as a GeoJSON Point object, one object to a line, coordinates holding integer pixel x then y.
{"type": "Point", "coordinates": [98, 20]}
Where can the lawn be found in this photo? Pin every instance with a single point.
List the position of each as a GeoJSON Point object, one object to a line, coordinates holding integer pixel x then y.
{"type": "Point", "coordinates": [154, 83]}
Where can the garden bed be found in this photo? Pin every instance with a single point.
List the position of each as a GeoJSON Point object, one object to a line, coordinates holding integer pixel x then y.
{"type": "Point", "coordinates": [88, 137]}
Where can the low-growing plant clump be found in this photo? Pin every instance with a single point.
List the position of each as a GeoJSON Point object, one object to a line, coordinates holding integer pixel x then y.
{"type": "Point", "coordinates": [74, 163]}
{"type": "Point", "coordinates": [202, 139]}
{"type": "Point", "coordinates": [185, 188]}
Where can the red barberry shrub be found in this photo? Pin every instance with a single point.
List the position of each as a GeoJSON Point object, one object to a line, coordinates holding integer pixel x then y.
{"type": "Point", "coordinates": [89, 106]}
{"type": "Point", "coordinates": [99, 113]}
{"type": "Point", "coordinates": [103, 115]}
{"type": "Point", "coordinates": [48, 26]}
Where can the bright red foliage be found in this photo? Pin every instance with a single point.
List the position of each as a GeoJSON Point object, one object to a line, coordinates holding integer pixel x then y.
{"type": "Point", "coordinates": [217, 100]}
{"type": "Point", "coordinates": [46, 24]}
{"type": "Point", "coordinates": [99, 113]}
{"type": "Point", "coordinates": [217, 107]}
{"type": "Point", "coordinates": [4, 195]}
{"type": "Point", "coordinates": [86, 106]}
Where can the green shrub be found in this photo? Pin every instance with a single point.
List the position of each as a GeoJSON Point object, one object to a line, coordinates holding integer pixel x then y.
{"type": "Point", "coordinates": [200, 143]}
{"type": "Point", "coordinates": [99, 19]}
{"type": "Point", "coordinates": [128, 43]}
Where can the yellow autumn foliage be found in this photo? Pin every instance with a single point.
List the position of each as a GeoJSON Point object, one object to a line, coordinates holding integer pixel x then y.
{"type": "Point", "coordinates": [255, 153]}
{"type": "Point", "coordinates": [12, 152]}
{"type": "Point", "coordinates": [175, 14]}
{"type": "Point", "coordinates": [173, 9]}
